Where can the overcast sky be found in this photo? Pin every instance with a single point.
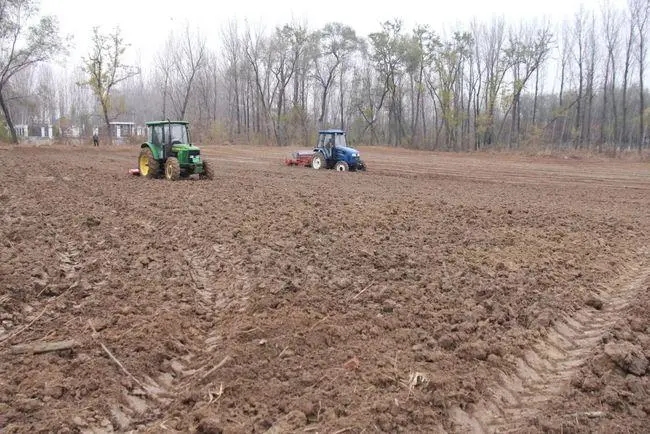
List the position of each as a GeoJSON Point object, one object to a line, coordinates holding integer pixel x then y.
{"type": "Point", "coordinates": [146, 23]}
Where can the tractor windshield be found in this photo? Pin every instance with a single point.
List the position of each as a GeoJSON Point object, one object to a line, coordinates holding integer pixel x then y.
{"type": "Point", "coordinates": [178, 133]}
{"type": "Point", "coordinates": [331, 139]}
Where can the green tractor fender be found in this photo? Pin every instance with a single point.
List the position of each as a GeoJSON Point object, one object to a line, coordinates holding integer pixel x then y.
{"type": "Point", "coordinates": [155, 150]}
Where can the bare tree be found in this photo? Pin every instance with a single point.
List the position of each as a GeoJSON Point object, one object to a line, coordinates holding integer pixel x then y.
{"type": "Point", "coordinates": [629, 46]}
{"type": "Point", "coordinates": [258, 57]}
{"type": "Point", "coordinates": [640, 13]}
{"type": "Point", "coordinates": [336, 43]}
{"type": "Point", "coordinates": [188, 55]}
{"type": "Point", "coordinates": [233, 53]}
{"type": "Point", "coordinates": [287, 48]}
{"type": "Point", "coordinates": [105, 68]}
{"type": "Point", "coordinates": [590, 46]}
{"type": "Point", "coordinates": [45, 93]}
{"type": "Point", "coordinates": [163, 65]}
{"type": "Point", "coordinates": [25, 40]}
{"type": "Point", "coordinates": [443, 82]}
{"type": "Point", "coordinates": [611, 23]}
{"type": "Point", "coordinates": [369, 96]}
{"type": "Point", "coordinates": [418, 57]}
{"type": "Point", "coordinates": [78, 104]}
{"type": "Point", "coordinates": [492, 65]}
{"type": "Point", "coordinates": [139, 98]}
{"type": "Point", "coordinates": [209, 86]}
{"type": "Point", "coordinates": [579, 57]}
{"type": "Point", "coordinates": [388, 56]}
{"type": "Point", "coordinates": [527, 52]}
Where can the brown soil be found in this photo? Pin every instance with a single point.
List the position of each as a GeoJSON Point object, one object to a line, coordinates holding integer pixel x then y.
{"type": "Point", "coordinates": [435, 292]}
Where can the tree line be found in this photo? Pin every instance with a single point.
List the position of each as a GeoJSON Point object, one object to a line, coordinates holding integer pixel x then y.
{"type": "Point", "coordinates": [577, 83]}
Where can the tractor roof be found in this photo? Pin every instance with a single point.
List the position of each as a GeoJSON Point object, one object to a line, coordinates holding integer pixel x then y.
{"type": "Point", "coordinates": [331, 131]}
{"type": "Point", "coordinates": [152, 123]}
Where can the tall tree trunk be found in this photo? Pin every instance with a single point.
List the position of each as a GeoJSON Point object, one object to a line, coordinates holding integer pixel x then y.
{"type": "Point", "coordinates": [412, 113]}
{"type": "Point", "coordinates": [535, 96]}
{"type": "Point", "coordinates": [323, 105]}
{"type": "Point", "coordinates": [237, 107]}
{"type": "Point", "coordinates": [579, 109]}
{"type": "Point", "coordinates": [626, 76]}
{"type": "Point", "coordinates": [107, 121]}
{"type": "Point", "coordinates": [614, 132]}
{"type": "Point", "coordinates": [641, 91]}
{"type": "Point", "coordinates": [7, 114]}
{"type": "Point", "coordinates": [341, 72]}
{"type": "Point", "coordinates": [590, 83]}
{"type": "Point", "coordinates": [603, 116]}
{"type": "Point", "coordinates": [562, 72]}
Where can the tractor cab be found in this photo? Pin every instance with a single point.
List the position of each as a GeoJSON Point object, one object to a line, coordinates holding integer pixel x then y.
{"type": "Point", "coordinates": [167, 134]}
{"type": "Point", "coordinates": [168, 150]}
{"type": "Point", "coordinates": [332, 152]}
{"type": "Point", "coordinates": [329, 139]}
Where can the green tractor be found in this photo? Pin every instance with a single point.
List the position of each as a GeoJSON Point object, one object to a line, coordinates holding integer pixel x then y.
{"type": "Point", "coordinates": [169, 151]}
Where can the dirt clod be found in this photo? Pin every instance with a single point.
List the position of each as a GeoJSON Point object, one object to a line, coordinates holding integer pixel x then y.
{"type": "Point", "coordinates": [594, 302]}
{"type": "Point", "coordinates": [627, 356]}
{"type": "Point", "coordinates": [209, 426]}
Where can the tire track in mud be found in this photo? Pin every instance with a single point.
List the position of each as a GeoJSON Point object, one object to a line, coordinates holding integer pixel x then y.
{"type": "Point", "coordinates": [215, 290]}
{"type": "Point", "coordinates": [547, 367]}
{"type": "Point", "coordinates": [158, 394]}
{"type": "Point", "coordinates": [215, 279]}
{"type": "Point", "coordinates": [202, 279]}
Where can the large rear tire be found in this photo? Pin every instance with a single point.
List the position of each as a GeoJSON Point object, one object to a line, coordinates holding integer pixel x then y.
{"type": "Point", "coordinates": [148, 165]}
{"type": "Point", "coordinates": [208, 170]}
{"type": "Point", "coordinates": [319, 162]}
{"type": "Point", "coordinates": [172, 169]}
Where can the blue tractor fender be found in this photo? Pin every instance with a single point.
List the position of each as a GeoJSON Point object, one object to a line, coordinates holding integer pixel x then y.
{"type": "Point", "coordinates": [320, 151]}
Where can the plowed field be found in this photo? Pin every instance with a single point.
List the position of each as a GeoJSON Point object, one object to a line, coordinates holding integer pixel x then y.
{"type": "Point", "coordinates": [432, 293]}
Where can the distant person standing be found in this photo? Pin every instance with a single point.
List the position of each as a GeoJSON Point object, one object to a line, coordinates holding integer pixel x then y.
{"type": "Point", "coordinates": [95, 139]}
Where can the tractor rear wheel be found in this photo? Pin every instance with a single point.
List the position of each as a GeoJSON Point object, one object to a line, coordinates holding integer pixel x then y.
{"type": "Point", "coordinates": [341, 166]}
{"type": "Point", "coordinates": [208, 171]}
{"type": "Point", "coordinates": [148, 165]}
{"type": "Point", "coordinates": [172, 169]}
{"type": "Point", "coordinates": [319, 162]}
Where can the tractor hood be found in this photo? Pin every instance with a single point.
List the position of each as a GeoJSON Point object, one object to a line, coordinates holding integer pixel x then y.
{"type": "Point", "coordinates": [184, 147]}
{"type": "Point", "coordinates": [350, 152]}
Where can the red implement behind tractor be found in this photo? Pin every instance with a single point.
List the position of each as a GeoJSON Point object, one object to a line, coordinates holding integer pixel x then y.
{"type": "Point", "coordinates": [300, 158]}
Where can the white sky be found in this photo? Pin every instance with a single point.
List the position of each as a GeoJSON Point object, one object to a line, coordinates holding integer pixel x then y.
{"type": "Point", "coordinates": [146, 23]}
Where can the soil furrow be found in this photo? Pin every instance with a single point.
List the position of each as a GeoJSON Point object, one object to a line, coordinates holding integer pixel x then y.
{"type": "Point", "coordinates": [545, 371]}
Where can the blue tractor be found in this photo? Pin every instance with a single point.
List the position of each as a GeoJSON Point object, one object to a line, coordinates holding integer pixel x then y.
{"type": "Point", "coordinates": [332, 152]}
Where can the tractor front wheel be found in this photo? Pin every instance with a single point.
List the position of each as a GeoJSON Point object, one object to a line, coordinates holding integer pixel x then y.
{"type": "Point", "coordinates": [208, 171]}
{"type": "Point", "coordinates": [341, 166]}
{"type": "Point", "coordinates": [148, 165]}
{"type": "Point", "coordinates": [172, 169]}
{"type": "Point", "coordinates": [318, 162]}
